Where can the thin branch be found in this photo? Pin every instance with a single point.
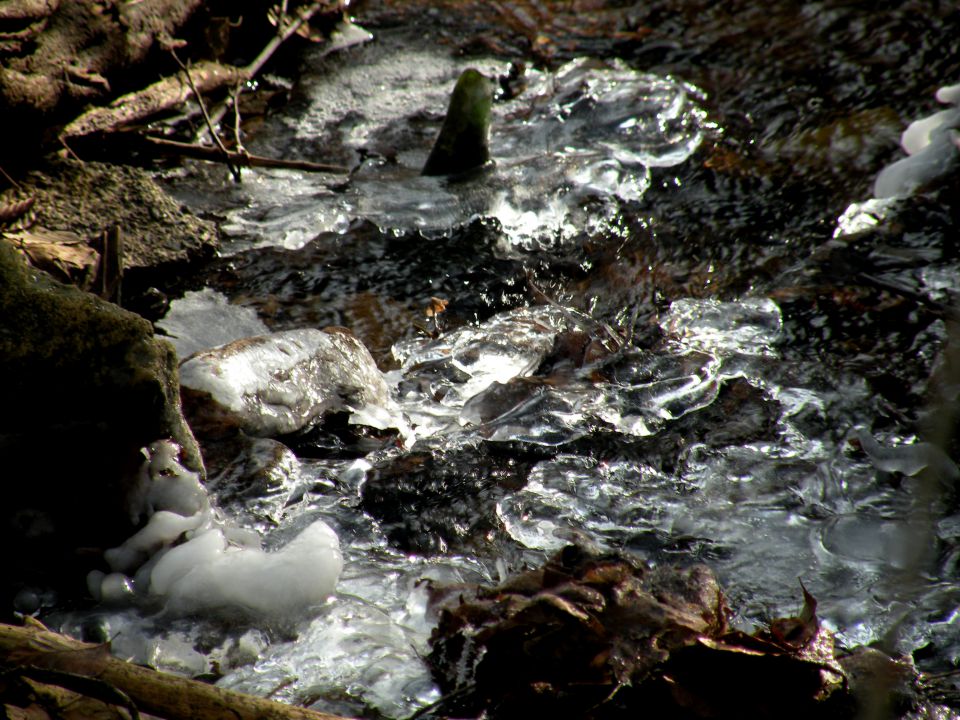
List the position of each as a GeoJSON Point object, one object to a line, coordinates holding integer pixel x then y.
{"type": "Point", "coordinates": [241, 159]}
{"type": "Point", "coordinates": [235, 99]}
{"type": "Point", "coordinates": [10, 180]}
{"type": "Point", "coordinates": [234, 169]}
{"type": "Point", "coordinates": [283, 34]}
{"type": "Point", "coordinates": [281, 37]}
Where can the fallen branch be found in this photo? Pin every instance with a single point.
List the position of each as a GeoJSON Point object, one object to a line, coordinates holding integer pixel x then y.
{"type": "Point", "coordinates": [171, 92]}
{"type": "Point", "coordinates": [241, 159]}
{"type": "Point", "coordinates": [35, 648]}
{"type": "Point", "coordinates": [163, 95]}
{"type": "Point", "coordinates": [251, 70]}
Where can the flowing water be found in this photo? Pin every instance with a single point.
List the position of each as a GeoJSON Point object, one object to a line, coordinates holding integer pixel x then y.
{"type": "Point", "coordinates": [611, 368]}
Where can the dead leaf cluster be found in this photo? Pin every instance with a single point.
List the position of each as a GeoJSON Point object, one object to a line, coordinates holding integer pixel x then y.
{"type": "Point", "coordinates": [96, 267]}
{"type": "Point", "coordinates": [600, 636]}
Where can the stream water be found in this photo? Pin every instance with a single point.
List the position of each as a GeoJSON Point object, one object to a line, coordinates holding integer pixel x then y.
{"type": "Point", "coordinates": [636, 354]}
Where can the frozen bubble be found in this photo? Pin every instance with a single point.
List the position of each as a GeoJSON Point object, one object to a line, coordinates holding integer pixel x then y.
{"type": "Point", "coordinates": [116, 588]}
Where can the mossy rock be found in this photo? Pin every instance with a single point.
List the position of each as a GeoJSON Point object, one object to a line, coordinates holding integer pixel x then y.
{"type": "Point", "coordinates": [86, 385]}
{"type": "Point", "coordinates": [463, 141]}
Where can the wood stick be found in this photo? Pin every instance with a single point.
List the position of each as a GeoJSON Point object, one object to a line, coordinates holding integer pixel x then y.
{"type": "Point", "coordinates": [234, 169]}
{"type": "Point", "coordinates": [244, 159]}
{"type": "Point", "coordinates": [283, 34]}
{"type": "Point", "coordinates": [157, 693]}
{"type": "Point", "coordinates": [162, 95]}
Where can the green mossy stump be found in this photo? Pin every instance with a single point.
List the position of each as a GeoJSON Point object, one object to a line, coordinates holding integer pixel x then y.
{"type": "Point", "coordinates": [463, 141]}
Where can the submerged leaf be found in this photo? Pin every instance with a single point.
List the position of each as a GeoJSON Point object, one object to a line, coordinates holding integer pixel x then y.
{"type": "Point", "coordinates": [596, 636]}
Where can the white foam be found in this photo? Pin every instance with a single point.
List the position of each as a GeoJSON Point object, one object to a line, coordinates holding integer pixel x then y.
{"type": "Point", "coordinates": [286, 582]}
{"type": "Point", "coordinates": [932, 145]}
{"type": "Point", "coordinates": [203, 550]}
{"type": "Point", "coordinates": [164, 484]}
{"type": "Point", "coordinates": [219, 566]}
{"type": "Point", "coordinates": [163, 528]}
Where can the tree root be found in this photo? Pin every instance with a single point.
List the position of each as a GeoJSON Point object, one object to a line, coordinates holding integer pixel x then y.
{"type": "Point", "coordinates": [45, 669]}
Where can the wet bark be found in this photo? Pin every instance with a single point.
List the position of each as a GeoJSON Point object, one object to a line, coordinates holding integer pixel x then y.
{"type": "Point", "coordinates": [64, 54]}
{"type": "Point", "coordinates": [70, 670]}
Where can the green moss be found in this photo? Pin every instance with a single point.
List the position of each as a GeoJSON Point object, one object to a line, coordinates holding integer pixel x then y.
{"type": "Point", "coordinates": [70, 358]}
{"type": "Point", "coordinates": [463, 141]}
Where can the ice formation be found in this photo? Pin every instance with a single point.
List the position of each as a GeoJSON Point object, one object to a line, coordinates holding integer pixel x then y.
{"type": "Point", "coordinates": [208, 573]}
{"type": "Point", "coordinates": [218, 567]}
{"type": "Point", "coordinates": [908, 459]}
{"type": "Point", "coordinates": [282, 382]}
{"type": "Point", "coordinates": [206, 318]}
{"type": "Point", "coordinates": [932, 145]}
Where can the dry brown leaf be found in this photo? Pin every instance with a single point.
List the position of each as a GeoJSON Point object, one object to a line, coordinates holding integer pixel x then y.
{"type": "Point", "coordinates": [63, 254]}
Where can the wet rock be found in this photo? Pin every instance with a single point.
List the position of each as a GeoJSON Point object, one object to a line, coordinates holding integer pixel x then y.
{"type": "Point", "coordinates": [882, 686]}
{"type": "Point", "coordinates": [87, 386]}
{"type": "Point", "coordinates": [444, 501]}
{"type": "Point", "coordinates": [462, 144]}
{"type": "Point", "coordinates": [276, 384]}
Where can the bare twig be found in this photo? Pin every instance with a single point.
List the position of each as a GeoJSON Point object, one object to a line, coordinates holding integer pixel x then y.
{"type": "Point", "coordinates": [234, 169]}
{"type": "Point", "coordinates": [242, 159]}
{"type": "Point", "coordinates": [10, 180]}
{"type": "Point", "coordinates": [235, 99]}
{"type": "Point", "coordinates": [283, 34]}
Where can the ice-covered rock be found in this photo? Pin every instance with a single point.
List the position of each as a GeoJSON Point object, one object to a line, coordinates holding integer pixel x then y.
{"type": "Point", "coordinates": [206, 318]}
{"type": "Point", "coordinates": [276, 384]}
{"type": "Point", "coordinates": [258, 481]}
{"type": "Point", "coordinates": [932, 145]}
{"type": "Point", "coordinates": [463, 363]}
